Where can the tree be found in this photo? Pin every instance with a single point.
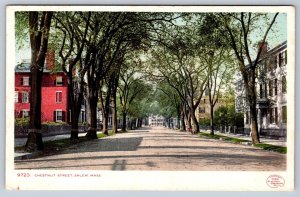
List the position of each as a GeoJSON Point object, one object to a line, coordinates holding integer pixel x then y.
{"type": "Point", "coordinates": [131, 88]}
{"type": "Point", "coordinates": [112, 33]}
{"type": "Point", "coordinates": [239, 27]}
{"type": "Point", "coordinates": [215, 51]}
{"type": "Point", "coordinates": [175, 61]}
{"type": "Point", "coordinates": [39, 27]}
{"type": "Point", "coordinates": [169, 102]}
{"type": "Point", "coordinates": [73, 28]}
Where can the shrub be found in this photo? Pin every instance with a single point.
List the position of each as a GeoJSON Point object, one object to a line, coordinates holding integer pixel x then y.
{"type": "Point", "coordinates": [22, 121]}
{"type": "Point", "coordinates": [53, 123]}
{"type": "Point", "coordinates": [204, 122]}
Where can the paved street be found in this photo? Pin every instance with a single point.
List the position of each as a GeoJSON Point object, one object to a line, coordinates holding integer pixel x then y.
{"type": "Point", "coordinates": [158, 148]}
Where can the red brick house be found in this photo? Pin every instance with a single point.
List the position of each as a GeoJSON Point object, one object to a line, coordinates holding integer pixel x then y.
{"type": "Point", "coordinates": [54, 92]}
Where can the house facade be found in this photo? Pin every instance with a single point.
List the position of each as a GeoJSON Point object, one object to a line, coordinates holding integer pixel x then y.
{"type": "Point", "coordinates": [54, 105]}
{"type": "Point", "coordinates": [203, 110]}
{"type": "Point", "coordinates": [271, 92]}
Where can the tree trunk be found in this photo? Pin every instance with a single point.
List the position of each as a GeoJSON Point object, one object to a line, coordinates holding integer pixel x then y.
{"type": "Point", "coordinates": [212, 132]}
{"type": "Point", "coordinates": [182, 121]}
{"type": "Point", "coordinates": [39, 44]}
{"type": "Point", "coordinates": [254, 125]}
{"type": "Point", "coordinates": [74, 127]}
{"type": "Point", "coordinates": [75, 103]}
{"type": "Point", "coordinates": [178, 118]}
{"type": "Point", "coordinates": [92, 130]}
{"type": "Point", "coordinates": [114, 113]}
{"type": "Point", "coordinates": [189, 123]}
{"type": "Point", "coordinates": [124, 121]}
{"type": "Point", "coordinates": [194, 121]}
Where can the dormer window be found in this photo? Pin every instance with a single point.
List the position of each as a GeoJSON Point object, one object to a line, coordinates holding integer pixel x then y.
{"type": "Point", "coordinates": [25, 81]}
{"type": "Point", "coordinates": [59, 81]}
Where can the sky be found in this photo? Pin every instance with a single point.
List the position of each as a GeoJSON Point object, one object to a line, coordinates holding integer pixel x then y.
{"type": "Point", "coordinates": [275, 37]}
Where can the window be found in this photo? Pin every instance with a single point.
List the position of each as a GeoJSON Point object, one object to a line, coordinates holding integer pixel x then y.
{"type": "Point", "coordinates": [201, 110]}
{"type": "Point", "coordinates": [284, 114]}
{"type": "Point", "coordinates": [274, 115]}
{"type": "Point", "coordinates": [275, 87]}
{"type": "Point", "coordinates": [283, 84]}
{"type": "Point", "coordinates": [25, 81]}
{"type": "Point", "coordinates": [16, 97]}
{"type": "Point", "coordinates": [25, 113]}
{"type": "Point", "coordinates": [59, 81]}
{"type": "Point", "coordinates": [58, 116]}
{"type": "Point", "coordinates": [270, 88]}
{"type": "Point", "coordinates": [275, 63]}
{"type": "Point", "coordinates": [260, 91]}
{"type": "Point", "coordinates": [58, 97]}
{"type": "Point", "coordinates": [280, 59]}
{"type": "Point", "coordinates": [285, 56]}
{"type": "Point", "coordinates": [25, 97]}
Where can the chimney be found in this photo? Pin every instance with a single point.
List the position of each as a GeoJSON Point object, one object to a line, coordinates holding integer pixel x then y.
{"type": "Point", "coordinates": [264, 46]}
{"type": "Point", "coordinates": [50, 59]}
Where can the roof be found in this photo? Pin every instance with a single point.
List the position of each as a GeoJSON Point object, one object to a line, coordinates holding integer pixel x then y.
{"type": "Point", "coordinates": [276, 49]}
{"type": "Point", "coordinates": [24, 67]}
{"type": "Point", "coordinates": [272, 51]}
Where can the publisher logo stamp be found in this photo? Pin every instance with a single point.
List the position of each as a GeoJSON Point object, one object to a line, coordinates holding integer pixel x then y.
{"type": "Point", "coordinates": [275, 181]}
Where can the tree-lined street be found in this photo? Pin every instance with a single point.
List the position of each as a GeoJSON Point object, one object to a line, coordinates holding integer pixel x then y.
{"type": "Point", "coordinates": [159, 148]}
{"type": "Point", "coordinates": [155, 88]}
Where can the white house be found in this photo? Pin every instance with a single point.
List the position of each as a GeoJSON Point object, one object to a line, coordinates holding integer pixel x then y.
{"type": "Point", "coordinates": [271, 93]}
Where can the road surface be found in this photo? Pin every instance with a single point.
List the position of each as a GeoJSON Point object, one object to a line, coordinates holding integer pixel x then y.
{"type": "Point", "coordinates": [158, 148]}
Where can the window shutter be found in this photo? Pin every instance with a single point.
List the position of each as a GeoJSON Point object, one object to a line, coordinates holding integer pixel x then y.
{"type": "Point", "coordinates": [276, 115]}
{"type": "Point", "coordinates": [29, 97]}
{"type": "Point", "coordinates": [285, 59]}
{"type": "Point", "coordinates": [275, 86]}
{"type": "Point", "coordinates": [63, 116]}
{"type": "Point", "coordinates": [20, 97]}
{"type": "Point", "coordinates": [22, 81]}
{"type": "Point", "coordinates": [54, 116]}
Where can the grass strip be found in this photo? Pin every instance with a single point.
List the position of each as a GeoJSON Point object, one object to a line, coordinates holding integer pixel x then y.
{"type": "Point", "coordinates": [60, 144]}
{"type": "Point", "coordinates": [267, 147]}
{"type": "Point", "coordinates": [270, 147]}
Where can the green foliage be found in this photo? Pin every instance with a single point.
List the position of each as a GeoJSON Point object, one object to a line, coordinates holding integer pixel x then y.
{"type": "Point", "coordinates": [204, 121]}
{"type": "Point", "coordinates": [101, 135]}
{"type": "Point", "coordinates": [22, 121]}
{"type": "Point", "coordinates": [268, 147]}
{"type": "Point", "coordinates": [166, 101]}
{"type": "Point", "coordinates": [227, 116]}
{"type": "Point", "coordinates": [54, 123]}
{"type": "Point", "coordinates": [21, 29]}
{"type": "Point", "coordinates": [274, 148]}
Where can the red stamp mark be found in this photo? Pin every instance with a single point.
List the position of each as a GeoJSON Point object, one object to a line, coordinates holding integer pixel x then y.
{"type": "Point", "coordinates": [275, 181]}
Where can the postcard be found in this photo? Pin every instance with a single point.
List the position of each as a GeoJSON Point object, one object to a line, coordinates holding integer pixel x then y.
{"type": "Point", "coordinates": [154, 98]}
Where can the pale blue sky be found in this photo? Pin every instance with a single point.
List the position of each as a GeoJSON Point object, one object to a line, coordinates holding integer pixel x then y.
{"type": "Point", "coordinates": [277, 35]}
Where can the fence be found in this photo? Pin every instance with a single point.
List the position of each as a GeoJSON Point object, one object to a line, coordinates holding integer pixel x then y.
{"type": "Point", "coordinates": [48, 130]}
{"type": "Point", "coordinates": [268, 133]}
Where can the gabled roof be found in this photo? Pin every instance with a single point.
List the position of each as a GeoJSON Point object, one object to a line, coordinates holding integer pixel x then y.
{"type": "Point", "coordinates": [24, 67]}
{"type": "Point", "coordinates": [272, 51]}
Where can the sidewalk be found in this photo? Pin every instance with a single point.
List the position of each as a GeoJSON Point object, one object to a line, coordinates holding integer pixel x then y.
{"type": "Point", "coordinates": [22, 141]}
{"type": "Point", "coordinates": [264, 140]}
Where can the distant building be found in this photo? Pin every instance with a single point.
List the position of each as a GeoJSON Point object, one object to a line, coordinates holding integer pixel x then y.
{"type": "Point", "coordinates": [271, 92]}
{"type": "Point", "coordinates": [156, 121]}
{"type": "Point", "coordinates": [203, 110]}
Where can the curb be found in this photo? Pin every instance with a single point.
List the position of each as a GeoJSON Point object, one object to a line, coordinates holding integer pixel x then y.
{"type": "Point", "coordinates": [27, 156]}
